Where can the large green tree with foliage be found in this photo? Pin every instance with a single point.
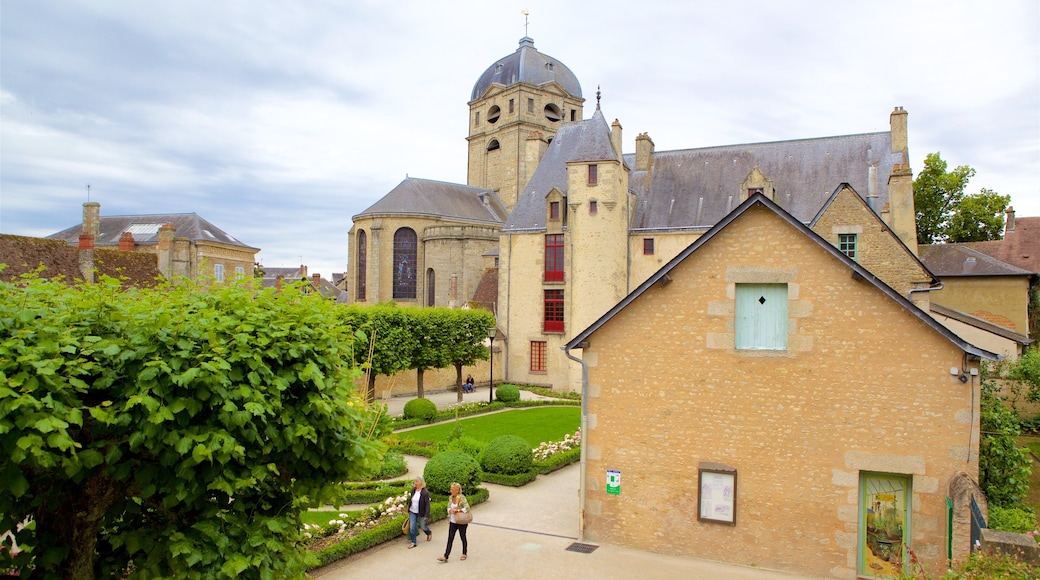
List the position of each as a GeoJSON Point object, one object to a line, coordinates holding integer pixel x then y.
{"type": "Point", "coordinates": [946, 214]}
{"type": "Point", "coordinates": [172, 432]}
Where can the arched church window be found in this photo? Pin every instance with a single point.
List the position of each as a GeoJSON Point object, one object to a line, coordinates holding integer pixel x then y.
{"type": "Point", "coordinates": [405, 251]}
{"type": "Point", "coordinates": [493, 144]}
{"type": "Point", "coordinates": [431, 294]}
{"type": "Point", "coordinates": [362, 266]}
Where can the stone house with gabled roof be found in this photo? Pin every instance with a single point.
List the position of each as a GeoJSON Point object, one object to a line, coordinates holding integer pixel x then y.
{"type": "Point", "coordinates": [980, 285]}
{"type": "Point", "coordinates": [185, 245]}
{"type": "Point", "coordinates": [764, 393]}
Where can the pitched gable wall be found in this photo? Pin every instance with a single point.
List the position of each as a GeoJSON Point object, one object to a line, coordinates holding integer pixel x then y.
{"type": "Point", "coordinates": [878, 249]}
{"type": "Point", "coordinates": [863, 386]}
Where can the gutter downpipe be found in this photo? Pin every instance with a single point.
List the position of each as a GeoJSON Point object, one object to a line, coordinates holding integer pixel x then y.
{"type": "Point", "coordinates": [910, 294]}
{"type": "Point", "coordinates": [584, 437]}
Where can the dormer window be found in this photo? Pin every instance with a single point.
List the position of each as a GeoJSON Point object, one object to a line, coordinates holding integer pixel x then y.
{"type": "Point", "coordinates": [554, 210]}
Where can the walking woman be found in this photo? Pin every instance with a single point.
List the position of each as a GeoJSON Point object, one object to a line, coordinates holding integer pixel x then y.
{"type": "Point", "coordinates": [418, 511]}
{"type": "Point", "coordinates": [459, 518]}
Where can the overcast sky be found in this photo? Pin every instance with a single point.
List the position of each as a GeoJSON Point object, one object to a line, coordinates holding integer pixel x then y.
{"type": "Point", "coordinates": [279, 121]}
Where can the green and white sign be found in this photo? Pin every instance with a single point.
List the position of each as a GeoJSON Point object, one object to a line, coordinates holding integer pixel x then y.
{"type": "Point", "coordinates": [613, 482]}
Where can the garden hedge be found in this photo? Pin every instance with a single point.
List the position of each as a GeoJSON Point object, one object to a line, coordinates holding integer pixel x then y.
{"type": "Point", "coordinates": [421, 408]}
{"type": "Point", "coordinates": [508, 455]}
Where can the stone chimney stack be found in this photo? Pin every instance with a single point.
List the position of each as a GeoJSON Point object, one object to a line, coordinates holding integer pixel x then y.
{"type": "Point", "coordinates": [126, 242]}
{"type": "Point", "coordinates": [303, 271]}
{"type": "Point", "coordinates": [1009, 221]}
{"type": "Point", "coordinates": [644, 152]}
{"type": "Point", "coordinates": [615, 137]}
{"type": "Point", "coordinates": [897, 125]}
{"type": "Point", "coordinates": [92, 219]}
{"type": "Point", "coordinates": [86, 257]}
{"type": "Point", "coordinates": [165, 249]}
{"type": "Point", "coordinates": [316, 280]}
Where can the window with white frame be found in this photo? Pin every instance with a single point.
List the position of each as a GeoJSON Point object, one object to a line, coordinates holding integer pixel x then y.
{"type": "Point", "coordinates": [218, 272]}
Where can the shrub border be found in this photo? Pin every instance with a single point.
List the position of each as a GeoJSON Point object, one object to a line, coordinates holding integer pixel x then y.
{"type": "Point", "coordinates": [388, 531]}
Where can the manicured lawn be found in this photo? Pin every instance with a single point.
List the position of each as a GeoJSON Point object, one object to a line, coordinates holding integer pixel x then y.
{"type": "Point", "coordinates": [534, 425]}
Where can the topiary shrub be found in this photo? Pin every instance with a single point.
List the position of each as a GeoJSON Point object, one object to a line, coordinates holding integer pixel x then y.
{"type": "Point", "coordinates": [444, 468]}
{"type": "Point", "coordinates": [424, 409]}
{"type": "Point", "coordinates": [508, 454]}
{"type": "Point", "coordinates": [507, 393]}
{"type": "Point", "coordinates": [393, 465]}
{"type": "Point", "coordinates": [468, 445]}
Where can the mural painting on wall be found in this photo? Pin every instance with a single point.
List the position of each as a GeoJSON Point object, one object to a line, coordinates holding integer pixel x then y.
{"type": "Point", "coordinates": [883, 525]}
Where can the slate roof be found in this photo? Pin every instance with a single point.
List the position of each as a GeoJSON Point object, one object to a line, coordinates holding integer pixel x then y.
{"type": "Point", "coordinates": [1020, 246]}
{"type": "Point", "coordinates": [954, 260]}
{"type": "Point", "coordinates": [695, 188]}
{"type": "Point", "coordinates": [581, 141]}
{"type": "Point", "coordinates": [527, 65]}
{"type": "Point", "coordinates": [760, 200]}
{"type": "Point", "coordinates": [145, 229]}
{"type": "Point", "coordinates": [440, 199]}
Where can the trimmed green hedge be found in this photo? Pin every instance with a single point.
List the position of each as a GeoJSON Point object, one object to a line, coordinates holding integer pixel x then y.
{"type": "Point", "coordinates": [507, 393]}
{"type": "Point", "coordinates": [422, 408]}
{"type": "Point", "coordinates": [517, 480]}
{"type": "Point", "coordinates": [507, 454]}
{"type": "Point", "coordinates": [557, 461]}
{"type": "Point", "coordinates": [389, 531]}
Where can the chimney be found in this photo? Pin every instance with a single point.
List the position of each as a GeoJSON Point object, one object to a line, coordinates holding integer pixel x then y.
{"type": "Point", "coordinates": [615, 138]}
{"type": "Point", "coordinates": [316, 280]}
{"type": "Point", "coordinates": [897, 124]}
{"type": "Point", "coordinates": [872, 199]}
{"type": "Point", "coordinates": [92, 219]}
{"type": "Point", "coordinates": [644, 152]}
{"type": "Point", "coordinates": [303, 271]}
{"type": "Point", "coordinates": [164, 248]}
{"type": "Point", "coordinates": [86, 257]}
{"type": "Point", "coordinates": [126, 242]}
{"type": "Point", "coordinates": [1009, 221]}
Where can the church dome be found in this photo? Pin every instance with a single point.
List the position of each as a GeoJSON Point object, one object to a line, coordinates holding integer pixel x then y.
{"type": "Point", "coordinates": [527, 65]}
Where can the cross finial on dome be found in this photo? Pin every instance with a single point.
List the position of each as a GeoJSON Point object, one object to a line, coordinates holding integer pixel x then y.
{"type": "Point", "coordinates": [597, 97]}
{"type": "Point", "coordinates": [526, 14]}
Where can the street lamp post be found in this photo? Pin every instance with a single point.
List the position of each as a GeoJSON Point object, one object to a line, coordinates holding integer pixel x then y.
{"type": "Point", "coordinates": [491, 359]}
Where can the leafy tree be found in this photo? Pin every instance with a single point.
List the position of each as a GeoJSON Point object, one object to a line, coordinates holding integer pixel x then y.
{"type": "Point", "coordinates": [177, 430]}
{"type": "Point", "coordinates": [468, 331]}
{"type": "Point", "coordinates": [433, 326]}
{"type": "Point", "coordinates": [1004, 467]}
{"type": "Point", "coordinates": [391, 341]}
{"type": "Point", "coordinates": [944, 214]}
{"type": "Point", "coordinates": [979, 217]}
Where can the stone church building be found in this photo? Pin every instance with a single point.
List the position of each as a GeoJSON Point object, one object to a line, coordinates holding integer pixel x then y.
{"type": "Point", "coordinates": [565, 225]}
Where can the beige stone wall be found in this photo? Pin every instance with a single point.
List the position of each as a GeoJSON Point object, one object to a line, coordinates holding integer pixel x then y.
{"type": "Point", "coordinates": [864, 386]}
{"type": "Point", "coordinates": [521, 315]}
{"type": "Point", "coordinates": [667, 245]}
{"type": "Point", "coordinates": [455, 254]}
{"type": "Point", "coordinates": [878, 250]}
{"type": "Point", "coordinates": [1002, 300]}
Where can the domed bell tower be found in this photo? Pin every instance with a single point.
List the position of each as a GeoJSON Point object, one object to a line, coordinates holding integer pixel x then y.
{"type": "Point", "coordinates": [515, 109]}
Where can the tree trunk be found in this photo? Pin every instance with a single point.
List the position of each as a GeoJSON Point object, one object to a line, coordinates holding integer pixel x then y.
{"type": "Point", "coordinates": [458, 382]}
{"type": "Point", "coordinates": [370, 396]}
{"type": "Point", "coordinates": [77, 522]}
{"type": "Point", "coordinates": [419, 383]}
